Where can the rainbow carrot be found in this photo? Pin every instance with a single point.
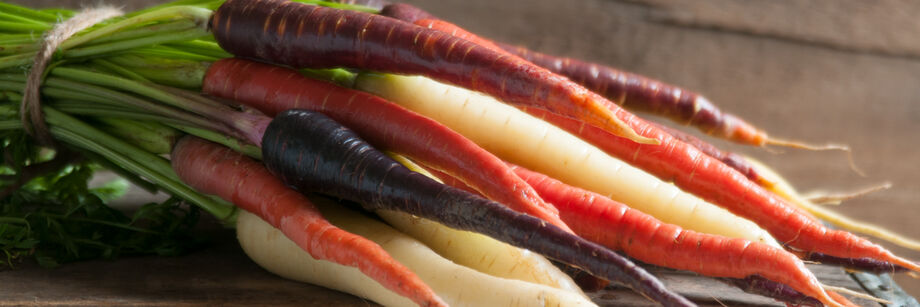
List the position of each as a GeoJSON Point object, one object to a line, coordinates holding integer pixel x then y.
{"type": "Point", "coordinates": [641, 236]}
{"type": "Point", "coordinates": [313, 153]}
{"type": "Point", "coordinates": [273, 89]}
{"type": "Point", "coordinates": [218, 170]}
{"type": "Point", "coordinates": [637, 92]}
{"type": "Point", "coordinates": [306, 36]}
{"type": "Point", "coordinates": [716, 182]}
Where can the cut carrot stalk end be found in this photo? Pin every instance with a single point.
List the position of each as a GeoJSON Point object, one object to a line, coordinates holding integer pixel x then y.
{"type": "Point", "coordinates": [821, 198]}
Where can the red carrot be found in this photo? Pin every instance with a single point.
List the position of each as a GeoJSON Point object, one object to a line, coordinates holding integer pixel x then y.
{"type": "Point", "coordinates": [313, 153]}
{"type": "Point", "coordinates": [752, 284]}
{"type": "Point", "coordinates": [306, 36]}
{"type": "Point", "coordinates": [731, 159]}
{"type": "Point", "coordinates": [214, 169]}
{"type": "Point", "coordinates": [272, 89]}
{"type": "Point", "coordinates": [633, 90]}
{"type": "Point", "coordinates": [714, 181]}
{"type": "Point", "coordinates": [641, 236]}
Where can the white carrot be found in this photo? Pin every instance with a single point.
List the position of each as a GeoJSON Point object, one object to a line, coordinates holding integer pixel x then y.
{"type": "Point", "coordinates": [477, 251]}
{"type": "Point", "coordinates": [527, 141]}
{"type": "Point", "coordinates": [457, 285]}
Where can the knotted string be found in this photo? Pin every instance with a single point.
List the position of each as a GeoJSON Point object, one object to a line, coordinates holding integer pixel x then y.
{"type": "Point", "coordinates": [30, 109]}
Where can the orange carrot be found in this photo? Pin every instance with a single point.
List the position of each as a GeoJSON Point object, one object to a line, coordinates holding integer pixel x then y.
{"type": "Point", "coordinates": [731, 159]}
{"type": "Point", "coordinates": [213, 169]}
{"type": "Point", "coordinates": [388, 126]}
{"type": "Point", "coordinates": [306, 36]}
{"type": "Point", "coordinates": [647, 239]}
{"type": "Point", "coordinates": [754, 284]}
{"type": "Point", "coordinates": [718, 183]}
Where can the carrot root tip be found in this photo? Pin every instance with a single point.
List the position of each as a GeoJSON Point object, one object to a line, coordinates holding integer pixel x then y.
{"type": "Point", "coordinates": [829, 146]}
{"type": "Point", "coordinates": [821, 198]}
{"type": "Point", "coordinates": [856, 294]}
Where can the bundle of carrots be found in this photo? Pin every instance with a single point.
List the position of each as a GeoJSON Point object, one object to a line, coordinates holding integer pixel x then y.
{"type": "Point", "coordinates": [259, 107]}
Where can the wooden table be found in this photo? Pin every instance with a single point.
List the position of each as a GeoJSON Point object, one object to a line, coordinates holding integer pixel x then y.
{"type": "Point", "coordinates": [221, 274]}
{"type": "Point", "coordinates": [843, 71]}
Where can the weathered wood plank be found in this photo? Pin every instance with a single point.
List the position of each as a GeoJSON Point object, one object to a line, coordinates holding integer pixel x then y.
{"type": "Point", "coordinates": [221, 274]}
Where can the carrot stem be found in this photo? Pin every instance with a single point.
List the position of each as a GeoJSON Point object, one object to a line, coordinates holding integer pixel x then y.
{"type": "Point", "coordinates": [135, 160]}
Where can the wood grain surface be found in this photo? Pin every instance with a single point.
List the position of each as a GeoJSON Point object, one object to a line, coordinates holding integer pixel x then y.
{"type": "Point", "coordinates": [818, 71]}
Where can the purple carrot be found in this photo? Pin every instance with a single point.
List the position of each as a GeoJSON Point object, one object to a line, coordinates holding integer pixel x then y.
{"type": "Point", "coordinates": [313, 153]}
{"type": "Point", "coordinates": [857, 264]}
{"type": "Point", "coordinates": [307, 36]}
{"type": "Point", "coordinates": [756, 284]}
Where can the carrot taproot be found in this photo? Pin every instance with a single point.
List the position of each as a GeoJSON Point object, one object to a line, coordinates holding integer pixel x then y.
{"type": "Point", "coordinates": [626, 89]}
{"type": "Point", "coordinates": [585, 281]}
{"type": "Point", "coordinates": [731, 159]}
{"type": "Point", "coordinates": [761, 286]}
{"type": "Point", "coordinates": [274, 89]}
{"type": "Point", "coordinates": [634, 91]}
{"type": "Point", "coordinates": [785, 190]}
{"type": "Point", "coordinates": [306, 36]}
{"type": "Point", "coordinates": [313, 153]}
{"type": "Point", "coordinates": [754, 284]}
{"type": "Point", "coordinates": [675, 161]}
{"type": "Point", "coordinates": [857, 264]}
{"type": "Point", "coordinates": [641, 236]}
{"type": "Point", "coordinates": [515, 136]}
{"type": "Point", "coordinates": [456, 284]}
{"type": "Point", "coordinates": [712, 180]}
{"type": "Point", "coordinates": [214, 169]}
{"type": "Point", "coordinates": [644, 94]}
{"type": "Point", "coordinates": [474, 250]}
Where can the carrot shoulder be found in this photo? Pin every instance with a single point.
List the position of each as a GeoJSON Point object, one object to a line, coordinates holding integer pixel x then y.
{"type": "Point", "coordinates": [301, 35]}
{"type": "Point", "coordinates": [273, 89]}
{"type": "Point", "coordinates": [214, 169]}
{"type": "Point", "coordinates": [313, 153]}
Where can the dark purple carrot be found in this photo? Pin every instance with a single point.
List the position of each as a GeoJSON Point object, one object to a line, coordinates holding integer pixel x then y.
{"type": "Point", "coordinates": [218, 170]}
{"type": "Point", "coordinates": [627, 89]}
{"type": "Point", "coordinates": [307, 36]}
{"type": "Point", "coordinates": [756, 284]}
{"type": "Point", "coordinates": [643, 94]}
{"type": "Point", "coordinates": [313, 153]}
{"type": "Point", "coordinates": [272, 89]}
{"type": "Point", "coordinates": [405, 12]}
{"type": "Point", "coordinates": [857, 264]}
